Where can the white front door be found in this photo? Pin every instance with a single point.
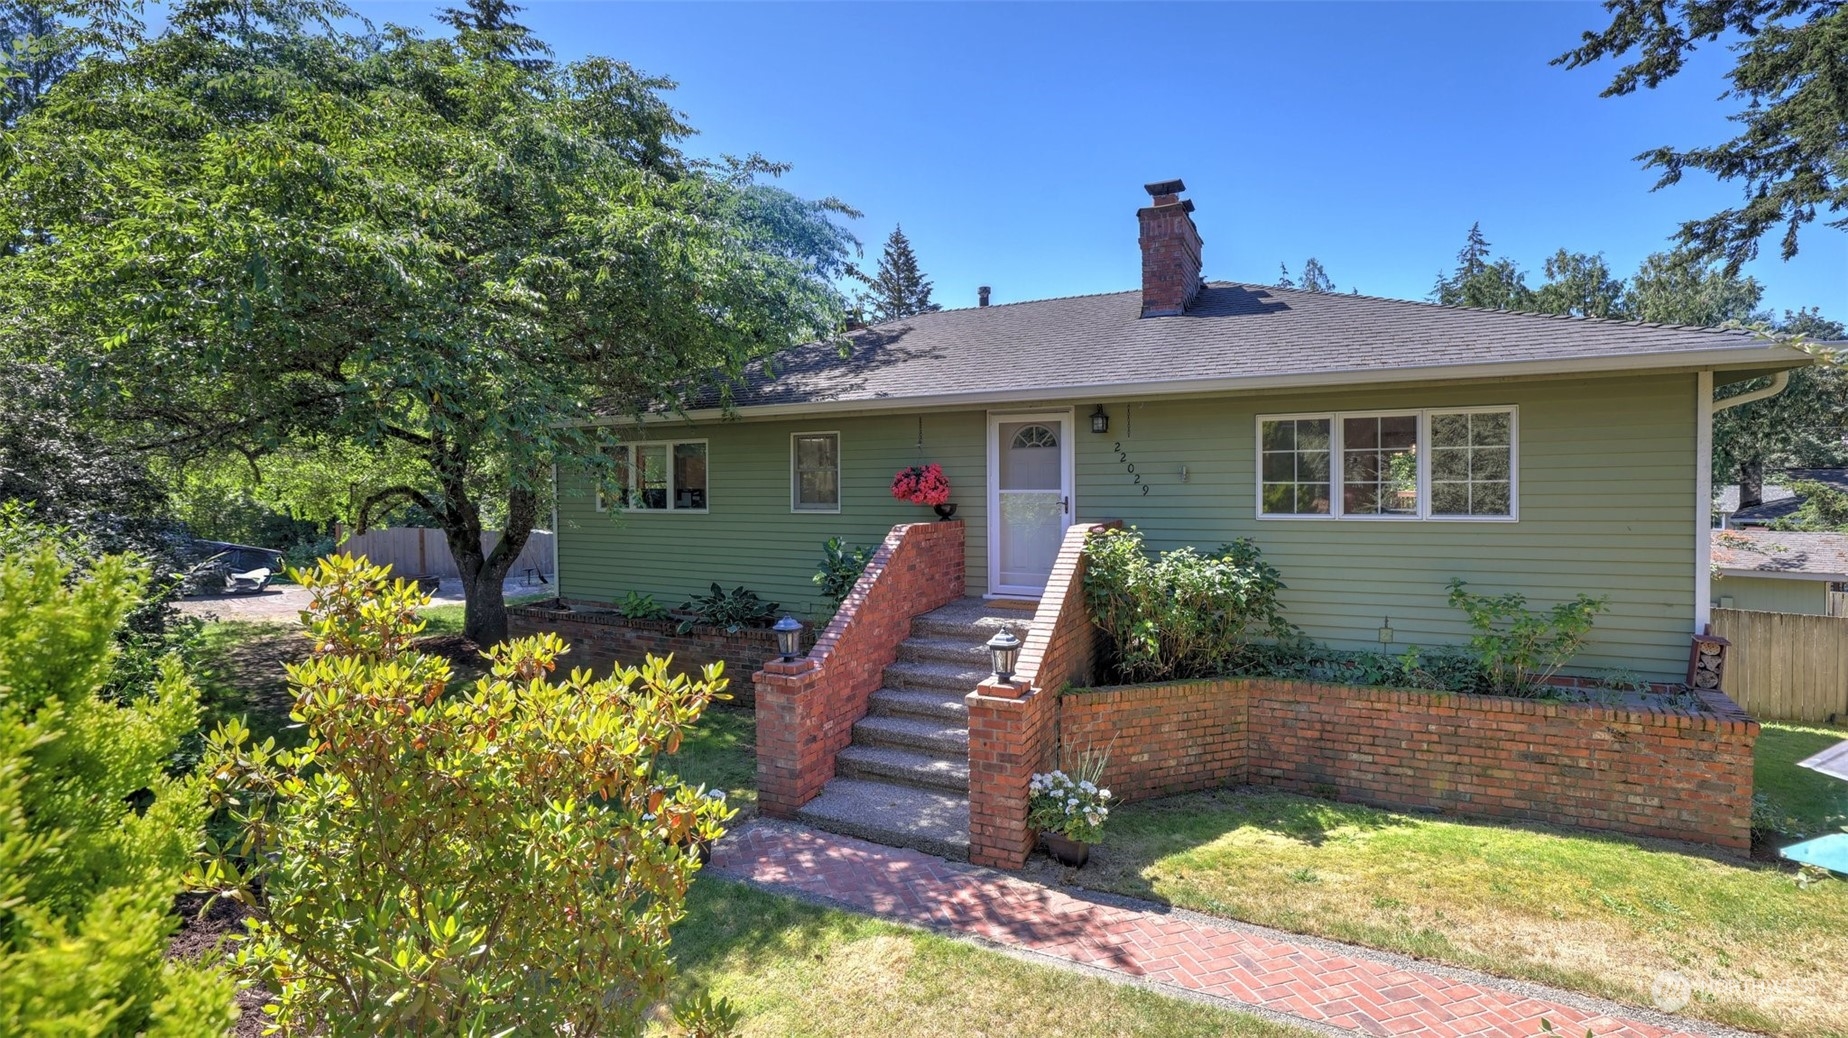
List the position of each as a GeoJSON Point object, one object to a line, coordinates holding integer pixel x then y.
{"type": "Point", "coordinates": [1029, 498]}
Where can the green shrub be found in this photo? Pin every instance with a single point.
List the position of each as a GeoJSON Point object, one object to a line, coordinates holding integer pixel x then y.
{"type": "Point", "coordinates": [840, 570]}
{"type": "Point", "coordinates": [733, 610]}
{"type": "Point", "coordinates": [1441, 670]}
{"type": "Point", "coordinates": [1520, 648]}
{"type": "Point", "coordinates": [1183, 614]}
{"type": "Point", "coordinates": [95, 833]}
{"type": "Point", "coordinates": [637, 606]}
{"type": "Point", "coordinates": [505, 859]}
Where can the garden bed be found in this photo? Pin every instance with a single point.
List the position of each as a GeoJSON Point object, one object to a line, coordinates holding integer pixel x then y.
{"type": "Point", "coordinates": [1673, 767]}
{"type": "Point", "coordinates": [600, 637]}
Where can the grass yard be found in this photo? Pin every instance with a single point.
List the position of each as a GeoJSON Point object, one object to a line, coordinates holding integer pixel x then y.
{"type": "Point", "coordinates": [1798, 801]}
{"type": "Point", "coordinates": [791, 968]}
{"type": "Point", "coordinates": [1597, 914]}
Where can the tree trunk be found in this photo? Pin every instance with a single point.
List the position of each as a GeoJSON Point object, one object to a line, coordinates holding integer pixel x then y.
{"type": "Point", "coordinates": [1752, 482]}
{"type": "Point", "coordinates": [484, 603]}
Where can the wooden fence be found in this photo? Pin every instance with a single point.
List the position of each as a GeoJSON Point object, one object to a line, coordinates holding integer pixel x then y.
{"type": "Point", "coordinates": [1786, 666]}
{"type": "Point", "coordinates": [419, 551]}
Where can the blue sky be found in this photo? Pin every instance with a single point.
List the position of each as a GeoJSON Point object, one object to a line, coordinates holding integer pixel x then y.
{"type": "Point", "coordinates": [1012, 140]}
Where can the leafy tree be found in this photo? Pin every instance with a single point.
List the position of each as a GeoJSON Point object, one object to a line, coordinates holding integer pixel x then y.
{"type": "Point", "coordinates": [287, 234]}
{"type": "Point", "coordinates": [901, 289]}
{"type": "Point", "coordinates": [1283, 276]}
{"type": "Point", "coordinates": [1680, 288]}
{"type": "Point", "coordinates": [1824, 508]}
{"type": "Point", "coordinates": [34, 53]}
{"type": "Point", "coordinates": [95, 834]}
{"type": "Point", "coordinates": [1802, 427]}
{"type": "Point", "coordinates": [1580, 285]}
{"type": "Point", "coordinates": [1789, 76]}
{"type": "Point", "coordinates": [1315, 279]}
{"type": "Point", "coordinates": [501, 860]}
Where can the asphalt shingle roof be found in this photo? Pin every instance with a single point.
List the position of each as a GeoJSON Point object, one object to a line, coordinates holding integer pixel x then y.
{"type": "Point", "coordinates": [1776, 502]}
{"type": "Point", "coordinates": [1770, 551]}
{"type": "Point", "coordinates": [1232, 332]}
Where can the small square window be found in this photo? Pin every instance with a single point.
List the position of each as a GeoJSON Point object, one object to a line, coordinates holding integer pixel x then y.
{"type": "Point", "coordinates": [1295, 466]}
{"type": "Point", "coordinates": [815, 472]}
{"type": "Point", "coordinates": [1472, 463]}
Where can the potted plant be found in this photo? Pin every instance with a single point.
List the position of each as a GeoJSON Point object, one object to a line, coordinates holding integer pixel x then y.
{"type": "Point", "coordinates": [1069, 810]}
{"type": "Point", "coordinates": [924, 485]}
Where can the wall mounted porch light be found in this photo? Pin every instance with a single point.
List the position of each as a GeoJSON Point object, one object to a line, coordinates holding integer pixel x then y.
{"type": "Point", "coordinates": [1100, 422]}
{"type": "Point", "coordinates": [788, 637]}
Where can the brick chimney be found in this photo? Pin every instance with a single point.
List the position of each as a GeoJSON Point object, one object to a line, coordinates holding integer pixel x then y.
{"type": "Point", "coordinates": [1170, 250]}
{"type": "Point", "coordinates": [981, 295]}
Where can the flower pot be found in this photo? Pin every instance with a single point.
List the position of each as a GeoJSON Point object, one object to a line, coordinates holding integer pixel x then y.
{"type": "Point", "coordinates": [1067, 852]}
{"type": "Point", "coordinates": [945, 511]}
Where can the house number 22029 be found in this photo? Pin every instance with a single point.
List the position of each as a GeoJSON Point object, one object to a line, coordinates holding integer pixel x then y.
{"type": "Point", "coordinates": [1129, 467]}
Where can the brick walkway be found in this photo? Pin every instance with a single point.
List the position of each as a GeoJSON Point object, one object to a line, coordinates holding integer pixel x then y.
{"type": "Point", "coordinates": [1353, 989]}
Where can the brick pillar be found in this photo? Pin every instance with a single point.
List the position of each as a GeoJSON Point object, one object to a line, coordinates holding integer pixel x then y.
{"type": "Point", "coordinates": [792, 764]}
{"type": "Point", "coordinates": [1010, 738]}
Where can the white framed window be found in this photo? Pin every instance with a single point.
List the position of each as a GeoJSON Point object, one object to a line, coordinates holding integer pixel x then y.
{"type": "Point", "coordinates": [1447, 464]}
{"type": "Point", "coordinates": [815, 472]}
{"type": "Point", "coordinates": [663, 476]}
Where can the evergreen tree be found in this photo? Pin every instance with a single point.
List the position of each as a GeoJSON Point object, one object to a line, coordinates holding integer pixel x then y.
{"type": "Point", "coordinates": [1283, 276]}
{"type": "Point", "coordinates": [1315, 279]}
{"type": "Point", "coordinates": [1788, 74]}
{"type": "Point", "coordinates": [33, 55]}
{"type": "Point", "coordinates": [1476, 281]}
{"type": "Point", "coordinates": [489, 26]}
{"type": "Point", "coordinates": [901, 289]}
{"type": "Point", "coordinates": [1473, 258]}
{"type": "Point", "coordinates": [1681, 288]}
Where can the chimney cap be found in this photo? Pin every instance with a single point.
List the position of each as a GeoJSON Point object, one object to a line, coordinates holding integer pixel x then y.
{"type": "Point", "coordinates": [1165, 187]}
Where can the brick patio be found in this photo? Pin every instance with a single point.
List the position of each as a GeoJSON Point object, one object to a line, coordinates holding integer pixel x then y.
{"type": "Point", "coordinates": [1352, 989]}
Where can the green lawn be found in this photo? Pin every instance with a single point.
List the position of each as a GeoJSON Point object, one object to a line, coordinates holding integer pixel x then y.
{"type": "Point", "coordinates": [1800, 801]}
{"type": "Point", "coordinates": [791, 968]}
{"type": "Point", "coordinates": [1598, 914]}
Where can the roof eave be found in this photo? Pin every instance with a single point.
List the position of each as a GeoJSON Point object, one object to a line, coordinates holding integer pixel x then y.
{"type": "Point", "coordinates": [1690, 361]}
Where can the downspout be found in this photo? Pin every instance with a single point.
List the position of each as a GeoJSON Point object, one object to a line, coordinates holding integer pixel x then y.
{"type": "Point", "coordinates": [1706, 408]}
{"type": "Point", "coordinates": [1779, 382]}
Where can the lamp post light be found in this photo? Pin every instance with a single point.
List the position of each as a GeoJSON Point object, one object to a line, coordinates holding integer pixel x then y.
{"type": "Point", "coordinates": [788, 637]}
{"type": "Point", "coordinates": [1005, 648]}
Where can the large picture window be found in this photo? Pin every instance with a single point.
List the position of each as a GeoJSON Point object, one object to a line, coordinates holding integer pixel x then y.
{"type": "Point", "coordinates": [657, 477]}
{"type": "Point", "coordinates": [815, 472]}
{"type": "Point", "coordinates": [1451, 464]}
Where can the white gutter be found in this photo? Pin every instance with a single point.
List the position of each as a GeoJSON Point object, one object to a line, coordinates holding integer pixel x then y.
{"type": "Point", "coordinates": [1779, 382]}
{"type": "Point", "coordinates": [1782, 574]}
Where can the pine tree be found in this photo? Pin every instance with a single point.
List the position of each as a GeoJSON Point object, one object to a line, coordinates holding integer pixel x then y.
{"type": "Point", "coordinates": [500, 37]}
{"type": "Point", "coordinates": [1283, 276]}
{"type": "Point", "coordinates": [1477, 282]}
{"type": "Point", "coordinates": [1315, 279]}
{"type": "Point", "coordinates": [1474, 257]}
{"type": "Point", "coordinates": [901, 289]}
{"type": "Point", "coordinates": [32, 57]}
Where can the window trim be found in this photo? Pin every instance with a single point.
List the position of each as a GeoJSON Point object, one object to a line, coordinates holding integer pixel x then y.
{"type": "Point", "coordinates": [603, 505]}
{"type": "Point", "coordinates": [796, 507]}
{"type": "Point", "coordinates": [1337, 465]}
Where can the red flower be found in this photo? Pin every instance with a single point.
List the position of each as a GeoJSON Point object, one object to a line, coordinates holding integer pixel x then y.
{"type": "Point", "coordinates": [922, 485]}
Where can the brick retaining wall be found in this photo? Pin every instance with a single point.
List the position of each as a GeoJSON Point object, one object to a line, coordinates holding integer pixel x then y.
{"type": "Point", "coordinates": [600, 639]}
{"type": "Point", "coordinates": [1676, 774]}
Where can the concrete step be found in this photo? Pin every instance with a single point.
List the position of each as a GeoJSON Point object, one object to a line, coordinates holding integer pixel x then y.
{"type": "Point", "coordinates": [967, 651]}
{"type": "Point", "coordinates": [904, 767]}
{"type": "Point", "coordinates": [914, 733]}
{"type": "Point", "coordinates": [897, 816]}
{"type": "Point", "coordinates": [971, 620]}
{"type": "Point", "coordinates": [950, 677]}
{"type": "Point", "coordinates": [935, 704]}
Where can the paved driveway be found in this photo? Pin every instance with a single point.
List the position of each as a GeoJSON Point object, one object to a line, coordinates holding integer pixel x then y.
{"type": "Point", "coordinates": [283, 603]}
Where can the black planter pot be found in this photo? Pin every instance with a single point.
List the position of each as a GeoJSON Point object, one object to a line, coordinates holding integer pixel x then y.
{"type": "Point", "coordinates": [945, 511]}
{"type": "Point", "coordinates": [1067, 852]}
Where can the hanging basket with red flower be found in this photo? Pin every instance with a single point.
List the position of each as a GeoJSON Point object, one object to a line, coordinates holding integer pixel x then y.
{"type": "Point", "coordinates": [922, 485]}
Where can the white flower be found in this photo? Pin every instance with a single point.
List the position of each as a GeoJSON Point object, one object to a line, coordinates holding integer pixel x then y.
{"type": "Point", "coordinates": [1087, 786]}
{"type": "Point", "coordinates": [1103, 794]}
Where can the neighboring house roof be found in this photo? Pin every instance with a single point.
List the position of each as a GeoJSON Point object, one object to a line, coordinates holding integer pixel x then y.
{"type": "Point", "coordinates": [1232, 336]}
{"type": "Point", "coordinates": [1807, 556]}
{"type": "Point", "coordinates": [1779, 502]}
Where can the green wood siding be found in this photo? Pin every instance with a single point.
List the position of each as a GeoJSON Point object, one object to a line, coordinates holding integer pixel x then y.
{"type": "Point", "coordinates": [1773, 594]}
{"type": "Point", "coordinates": [1606, 472]}
{"type": "Point", "coordinates": [749, 535]}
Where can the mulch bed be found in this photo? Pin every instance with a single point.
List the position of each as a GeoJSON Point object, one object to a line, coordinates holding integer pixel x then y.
{"type": "Point", "coordinates": [204, 935]}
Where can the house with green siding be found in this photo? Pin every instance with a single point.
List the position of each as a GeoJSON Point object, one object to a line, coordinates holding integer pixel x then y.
{"type": "Point", "coordinates": [1773, 571]}
{"type": "Point", "coordinates": [1373, 448]}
